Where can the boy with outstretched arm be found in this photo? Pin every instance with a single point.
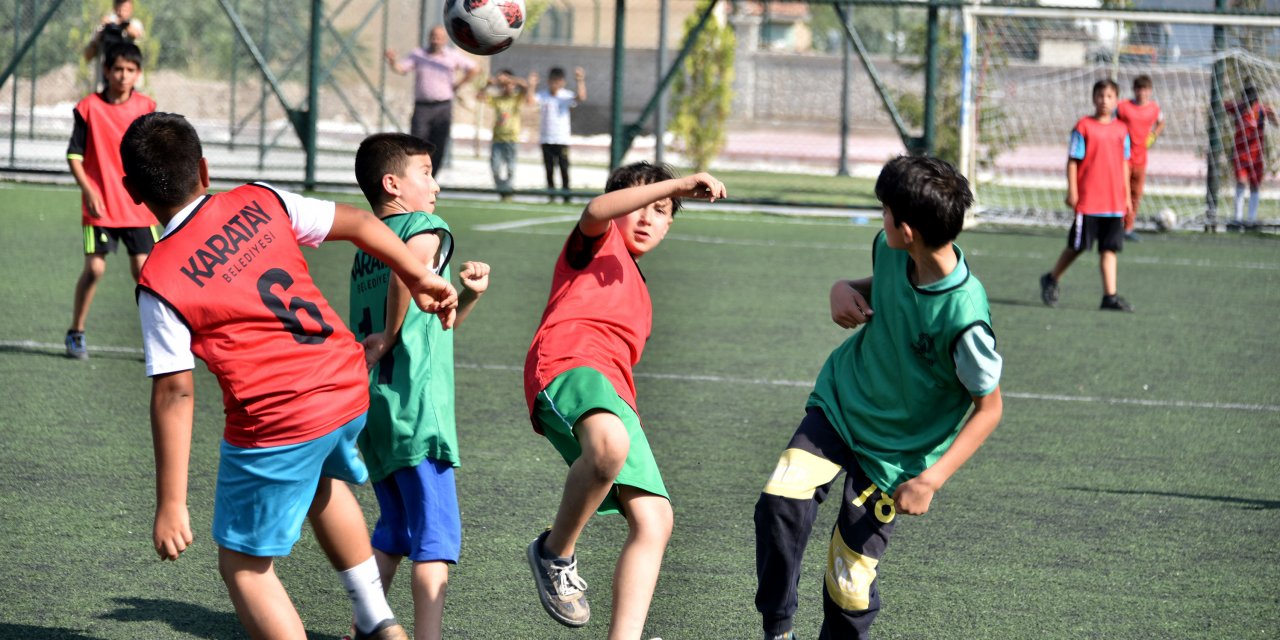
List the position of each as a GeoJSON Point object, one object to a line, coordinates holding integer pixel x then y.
{"type": "Point", "coordinates": [889, 405]}
{"type": "Point", "coordinates": [228, 283]}
{"type": "Point", "coordinates": [410, 443]}
{"type": "Point", "coordinates": [581, 393]}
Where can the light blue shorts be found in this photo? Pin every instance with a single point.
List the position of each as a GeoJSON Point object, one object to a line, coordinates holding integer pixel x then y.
{"type": "Point", "coordinates": [419, 513]}
{"type": "Point", "coordinates": [263, 495]}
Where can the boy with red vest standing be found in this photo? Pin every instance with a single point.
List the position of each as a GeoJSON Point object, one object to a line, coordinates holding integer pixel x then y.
{"type": "Point", "coordinates": [228, 283]}
{"type": "Point", "coordinates": [582, 395]}
{"type": "Point", "coordinates": [1098, 192]}
{"type": "Point", "coordinates": [1145, 121]}
{"type": "Point", "coordinates": [109, 216]}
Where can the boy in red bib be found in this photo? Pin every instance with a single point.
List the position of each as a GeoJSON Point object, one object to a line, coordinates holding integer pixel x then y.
{"type": "Point", "coordinates": [582, 396]}
{"type": "Point", "coordinates": [1098, 192]}
{"type": "Point", "coordinates": [1145, 121]}
{"type": "Point", "coordinates": [108, 215]}
{"type": "Point", "coordinates": [1248, 151]}
{"type": "Point", "coordinates": [228, 283]}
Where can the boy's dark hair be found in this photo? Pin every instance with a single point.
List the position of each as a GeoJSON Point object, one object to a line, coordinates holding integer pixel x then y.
{"type": "Point", "coordinates": [160, 154]}
{"type": "Point", "coordinates": [116, 3]}
{"type": "Point", "coordinates": [506, 72]}
{"type": "Point", "coordinates": [383, 153]}
{"type": "Point", "coordinates": [126, 50]}
{"type": "Point", "coordinates": [927, 193]}
{"type": "Point", "coordinates": [1103, 84]}
{"type": "Point", "coordinates": [556, 73]}
{"type": "Point", "coordinates": [1250, 94]}
{"type": "Point", "coordinates": [639, 173]}
{"type": "Point", "coordinates": [1142, 82]}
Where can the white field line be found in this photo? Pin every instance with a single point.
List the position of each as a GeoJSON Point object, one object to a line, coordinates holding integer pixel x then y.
{"type": "Point", "coordinates": [766, 382]}
{"type": "Point", "coordinates": [524, 226]}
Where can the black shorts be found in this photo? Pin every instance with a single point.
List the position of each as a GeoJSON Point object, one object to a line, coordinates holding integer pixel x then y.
{"type": "Point", "coordinates": [103, 240]}
{"type": "Point", "coordinates": [1108, 231]}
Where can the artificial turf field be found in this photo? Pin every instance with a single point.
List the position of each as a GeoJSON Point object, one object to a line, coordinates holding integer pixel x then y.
{"type": "Point", "coordinates": [1131, 491]}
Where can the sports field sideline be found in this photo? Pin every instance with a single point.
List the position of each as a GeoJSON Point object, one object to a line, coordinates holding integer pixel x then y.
{"type": "Point", "coordinates": [1131, 491]}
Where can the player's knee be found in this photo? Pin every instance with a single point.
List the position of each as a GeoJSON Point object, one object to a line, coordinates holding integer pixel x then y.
{"type": "Point", "coordinates": [850, 576]}
{"type": "Point", "coordinates": [656, 522]}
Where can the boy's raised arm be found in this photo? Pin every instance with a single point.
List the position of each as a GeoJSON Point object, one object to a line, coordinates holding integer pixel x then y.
{"type": "Point", "coordinates": [172, 408]}
{"type": "Point", "coordinates": [432, 293]}
{"type": "Point", "coordinates": [615, 204]}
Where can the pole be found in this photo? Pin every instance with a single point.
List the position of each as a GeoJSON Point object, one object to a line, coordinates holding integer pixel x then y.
{"type": "Point", "coordinates": [13, 110]}
{"type": "Point", "coordinates": [1215, 118]}
{"type": "Point", "coordinates": [262, 87]}
{"type": "Point", "coordinates": [930, 84]}
{"type": "Point", "coordinates": [616, 149]}
{"type": "Point", "coordinates": [35, 70]}
{"type": "Point", "coordinates": [313, 94]}
{"type": "Point", "coordinates": [231, 119]}
{"type": "Point", "coordinates": [846, 68]}
{"type": "Point", "coordinates": [660, 117]}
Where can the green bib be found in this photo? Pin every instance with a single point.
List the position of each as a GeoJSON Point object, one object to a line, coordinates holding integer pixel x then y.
{"type": "Point", "coordinates": [411, 394]}
{"type": "Point", "coordinates": [891, 389]}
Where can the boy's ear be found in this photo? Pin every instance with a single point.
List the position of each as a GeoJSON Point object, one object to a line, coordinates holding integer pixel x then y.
{"type": "Point", "coordinates": [908, 234]}
{"type": "Point", "coordinates": [204, 172]}
{"type": "Point", "coordinates": [391, 184]}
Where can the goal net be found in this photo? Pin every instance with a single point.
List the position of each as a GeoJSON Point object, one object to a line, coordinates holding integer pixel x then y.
{"type": "Point", "coordinates": [1027, 77]}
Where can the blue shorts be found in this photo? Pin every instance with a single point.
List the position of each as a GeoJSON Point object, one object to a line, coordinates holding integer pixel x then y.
{"type": "Point", "coordinates": [419, 513]}
{"type": "Point", "coordinates": [263, 495]}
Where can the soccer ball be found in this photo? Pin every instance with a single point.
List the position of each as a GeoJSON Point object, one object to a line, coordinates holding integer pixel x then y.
{"type": "Point", "coordinates": [1166, 219]}
{"type": "Point", "coordinates": [484, 27]}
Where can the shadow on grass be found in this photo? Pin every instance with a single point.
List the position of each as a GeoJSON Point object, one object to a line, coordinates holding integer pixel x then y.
{"type": "Point", "coordinates": [183, 617]}
{"type": "Point", "coordinates": [60, 354]}
{"type": "Point", "coordinates": [1016, 303]}
{"type": "Point", "coordinates": [1244, 503]}
{"type": "Point", "coordinates": [24, 631]}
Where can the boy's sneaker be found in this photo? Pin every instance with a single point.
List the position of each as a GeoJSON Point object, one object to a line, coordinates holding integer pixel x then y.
{"type": "Point", "coordinates": [561, 590]}
{"type": "Point", "coordinates": [75, 345]}
{"type": "Point", "coordinates": [1049, 290]}
{"type": "Point", "coordinates": [1115, 303]}
{"type": "Point", "coordinates": [389, 629]}
{"type": "Point", "coordinates": [790, 635]}
{"type": "Point", "coordinates": [1132, 236]}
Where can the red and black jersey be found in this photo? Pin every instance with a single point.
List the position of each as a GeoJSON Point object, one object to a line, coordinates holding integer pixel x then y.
{"type": "Point", "coordinates": [290, 370]}
{"type": "Point", "coordinates": [99, 128]}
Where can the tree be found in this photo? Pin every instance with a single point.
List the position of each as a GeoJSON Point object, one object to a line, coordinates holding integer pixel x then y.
{"type": "Point", "coordinates": [702, 94]}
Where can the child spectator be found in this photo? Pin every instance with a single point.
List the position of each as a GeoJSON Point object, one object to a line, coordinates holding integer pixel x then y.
{"type": "Point", "coordinates": [553, 125]}
{"type": "Point", "coordinates": [108, 215]}
{"type": "Point", "coordinates": [889, 404]}
{"type": "Point", "coordinates": [410, 443]}
{"type": "Point", "coordinates": [1248, 154]}
{"type": "Point", "coordinates": [1145, 121]}
{"type": "Point", "coordinates": [581, 393]}
{"type": "Point", "coordinates": [228, 283]}
{"type": "Point", "coordinates": [513, 94]}
{"type": "Point", "coordinates": [1098, 193]}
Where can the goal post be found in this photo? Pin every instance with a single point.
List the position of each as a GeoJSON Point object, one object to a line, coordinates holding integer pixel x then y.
{"type": "Point", "coordinates": [1026, 76]}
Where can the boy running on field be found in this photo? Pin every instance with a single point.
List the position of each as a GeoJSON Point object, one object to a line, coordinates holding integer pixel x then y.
{"type": "Point", "coordinates": [582, 397]}
{"type": "Point", "coordinates": [1098, 193]}
{"type": "Point", "coordinates": [889, 405]}
{"type": "Point", "coordinates": [108, 215]}
{"type": "Point", "coordinates": [1145, 120]}
{"type": "Point", "coordinates": [228, 283]}
{"type": "Point", "coordinates": [410, 442]}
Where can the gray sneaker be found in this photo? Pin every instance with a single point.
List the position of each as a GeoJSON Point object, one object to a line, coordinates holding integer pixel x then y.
{"type": "Point", "coordinates": [560, 588]}
{"type": "Point", "coordinates": [1049, 290]}
{"type": "Point", "coordinates": [75, 345]}
{"type": "Point", "coordinates": [790, 635]}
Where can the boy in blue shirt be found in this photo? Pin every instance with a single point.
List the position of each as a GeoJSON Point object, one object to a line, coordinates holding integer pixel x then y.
{"type": "Point", "coordinates": [889, 405]}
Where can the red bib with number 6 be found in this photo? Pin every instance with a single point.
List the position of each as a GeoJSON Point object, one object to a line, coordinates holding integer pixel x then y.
{"type": "Point", "coordinates": [290, 371]}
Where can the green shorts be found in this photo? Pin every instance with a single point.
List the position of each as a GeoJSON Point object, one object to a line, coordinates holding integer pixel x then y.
{"type": "Point", "coordinates": [577, 392]}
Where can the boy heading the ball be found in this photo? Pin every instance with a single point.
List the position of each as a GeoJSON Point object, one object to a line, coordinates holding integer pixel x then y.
{"type": "Point", "coordinates": [581, 393]}
{"type": "Point", "coordinates": [889, 405]}
{"type": "Point", "coordinates": [228, 283]}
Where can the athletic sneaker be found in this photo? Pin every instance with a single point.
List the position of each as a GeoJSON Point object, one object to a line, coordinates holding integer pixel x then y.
{"type": "Point", "coordinates": [1132, 236]}
{"type": "Point", "coordinates": [560, 588]}
{"type": "Point", "coordinates": [1115, 303]}
{"type": "Point", "coordinates": [75, 345]}
{"type": "Point", "coordinates": [1049, 290]}
{"type": "Point", "coordinates": [790, 635]}
{"type": "Point", "coordinates": [388, 629]}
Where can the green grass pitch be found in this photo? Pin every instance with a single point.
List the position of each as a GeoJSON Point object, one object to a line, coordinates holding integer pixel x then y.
{"type": "Point", "coordinates": [1132, 490]}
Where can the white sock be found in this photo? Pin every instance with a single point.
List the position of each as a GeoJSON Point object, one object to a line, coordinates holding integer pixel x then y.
{"type": "Point", "coordinates": [1239, 201]}
{"type": "Point", "coordinates": [364, 587]}
{"type": "Point", "coordinates": [1254, 196]}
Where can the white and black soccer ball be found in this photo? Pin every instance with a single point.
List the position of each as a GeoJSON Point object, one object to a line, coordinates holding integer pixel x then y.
{"type": "Point", "coordinates": [1166, 219]}
{"type": "Point", "coordinates": [484, 27]}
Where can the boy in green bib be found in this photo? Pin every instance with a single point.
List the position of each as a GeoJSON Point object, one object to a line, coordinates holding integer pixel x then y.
{"type": "Point", "coordinates": [410, 441]}
{"type": "Point", "coordinates": [889, 405]}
